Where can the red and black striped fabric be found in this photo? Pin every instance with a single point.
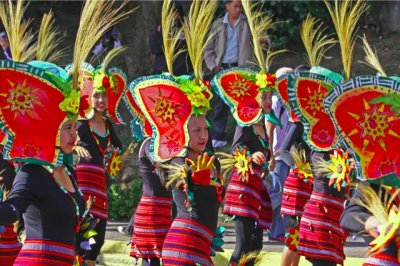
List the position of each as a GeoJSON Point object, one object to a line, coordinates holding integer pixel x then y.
{"type": "Point", "coordinates": [382, 259]}
{"type": "Point", "coordinates": [321, 236]}
{"type": "Point", "coordinates": [152, 222]}
{"type": "Point", "coordinates": [187, 243]}
{"type": "Point", "coordinates": [295, 195]}
{"type": "Point", "coordinates": [39, 252]}
{"type": "Point", "coordinates": [9, 246]}
{"type": "Point", "coordinates": [92, 182]}
{"type": "Point", "coordinates": [249, 199]}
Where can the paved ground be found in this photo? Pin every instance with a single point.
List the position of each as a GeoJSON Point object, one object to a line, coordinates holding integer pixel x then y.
{"type": "Point", "coordinates": [354, 248]}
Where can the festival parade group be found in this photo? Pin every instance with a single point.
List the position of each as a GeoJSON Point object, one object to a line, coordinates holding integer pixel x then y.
{"type": "Point", "coordinates": [313, 156]}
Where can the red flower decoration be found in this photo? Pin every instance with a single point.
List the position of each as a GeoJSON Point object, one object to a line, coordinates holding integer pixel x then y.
{"type": "Point", "coordinates": [83, 105]}
{"type": "Point", "coordinates": [106, 82]}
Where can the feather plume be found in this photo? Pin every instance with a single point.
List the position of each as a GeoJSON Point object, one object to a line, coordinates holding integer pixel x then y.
{"type": "Point", "coordinates": [298, 154]}
{"type": "Point", "coordinates": [21, 38]}
{"type": "Point", "coordinates": [227, 162]}
{"type": "Point", "coordinates": [170, 34]}
{"type": "Point", "coordinates": [259, 25]}
{"type": "Point", "coordinates": [49, 38]}
{"type": "Point", "coordinates": [321, 167]}
{"type": "Point", "coordinates": [372, 202]}
{"type": "Point", "coordinates": [177, 174]}
{"type": "Point", "coordinates": [111, 55]}
{"type": "Point", "coordinates": [96, 18]}
{"type": "Point", "coordinates": [271, 56]}
{"type": "Point", "coordinates": [315, 41]}
{"type": "Point", "coordinates": [195, 27]}
{"type": "Point", "coordinates": [371, 57]}
{"type": "Point", "coordinates": [345, 16]}
{"type": "Point", "coordinates": [255, 255]}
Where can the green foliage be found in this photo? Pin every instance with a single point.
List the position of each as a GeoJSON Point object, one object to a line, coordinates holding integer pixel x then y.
{"type": "Point", "coordinates": [289, 15]}
{"type": "Point", "coordinates": [123, 202]}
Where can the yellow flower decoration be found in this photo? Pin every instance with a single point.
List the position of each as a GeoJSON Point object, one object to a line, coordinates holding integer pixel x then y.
{"type": "Point", "coordinates": [70, 104]}
{"type": "Point", "coordinates": [102, 82]}
{"type": "Point", "coordinates": [198, 99]}
{"type": "Point", "coordinates": [386, 231]}
{"type": "Point", "coordinates": [265, 81]}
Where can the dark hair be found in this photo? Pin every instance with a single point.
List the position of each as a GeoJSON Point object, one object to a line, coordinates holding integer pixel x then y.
{"type": "Point", "coordinates": [300, 68]}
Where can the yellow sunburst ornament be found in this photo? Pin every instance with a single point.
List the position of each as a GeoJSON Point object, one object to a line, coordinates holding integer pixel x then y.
{"type": "Point", "coordinates": [243, 163]}
{"type": "Point", "coordinates": [302, 167]}
{"type": "Point", "coordinates": [339, 169]}
{"type": "Point", "coordinates": [386, 231]}
{"type": "Point", "coordinates": [113, 162]}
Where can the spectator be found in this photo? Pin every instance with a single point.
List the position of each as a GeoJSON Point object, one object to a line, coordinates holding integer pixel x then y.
{"type": "Point", "coordinates": [5, 44]}
{"type": "Point", "coordinates": [229, 47]}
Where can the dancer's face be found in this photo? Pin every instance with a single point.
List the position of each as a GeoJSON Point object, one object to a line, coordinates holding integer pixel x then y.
{"type": "Point", "coordinates": [68, 136]}
{"type": "Point", "coordinates": [266, 102]}
{"type": "Point", "coordinates": [100, 101]}
{"type": "Point", "coordinates": [198, 133]}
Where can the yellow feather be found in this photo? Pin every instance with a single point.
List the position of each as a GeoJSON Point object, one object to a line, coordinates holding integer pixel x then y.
{"type": "Point", "coordinates": [298, 154]}
{"type": "Point", "coordinates": [345, 17]}
{"type": "Point", "coordinates": [315, 41]}
{"type": "Point", "coordinates": [21, 38]}
{"type": "Point", "coordinates": [373, 203]}
{"type": "Point", "coordinates": [227, 162]}
{"type": "Point", "coordinates": [195, 27]}
{"type": "Point", "coordinates": [371, 57]}
{"type": "Point", "coordinates": [259, 25]}
{"type": "Point", "coordinates": [96, 18]}
{"type": "Point", "coordinates": [111, 55]}
{"type": "Point", "coordinates": [49, 38]}
{"type": "Point", "coordinates": [251, 256]}
{"type": "Point", "coordinates": [177, 174]}
{"type": "Point", "coordinates": [321, 167]}
{"type": "Point", "coordinates": [170, 34]}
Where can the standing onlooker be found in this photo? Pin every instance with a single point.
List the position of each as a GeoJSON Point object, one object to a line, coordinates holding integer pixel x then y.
{"type": "Point", "coordinates": [229, 47]}
{"type": "Point", "coordinates": [281, 171]}
{"type": "Point", "coordinates": [5, 44]}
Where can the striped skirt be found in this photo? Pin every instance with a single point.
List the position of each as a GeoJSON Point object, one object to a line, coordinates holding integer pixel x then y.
{"type": "Point", "coordinates": [382, 259]}
{"type": "Point", "coordinates": [9, 246]}
{"type": "Point", "coordinates": [187, 243]}
{"type": "Point", "coordinates": [92, 182]}
{"type": "Point", "coordinates": [295, 195]}
{"type": "Point", "coordinates": [37, 252]}
{"type": "Point", "coordinates": [249, 199]}
{"type": "Point", "coordinates": [321, 236]}
{"type": "Point", "coordinates": [152, 222]}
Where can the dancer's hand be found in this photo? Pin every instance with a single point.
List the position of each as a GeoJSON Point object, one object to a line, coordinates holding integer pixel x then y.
{"type": "Point", "coordinates": [201, 170]}
{"type": "Point", "coordinates": [82, 152]}
{"type": "Point", "coordinates": [258, 157]}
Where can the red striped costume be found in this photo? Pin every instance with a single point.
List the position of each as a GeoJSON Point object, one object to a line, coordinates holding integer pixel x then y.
{"type": "Point", "coordinates": [295, 195]}
{"type": "Point", "coordinates": [249, 199]}
{"type": "Point", "coordinates": [321, 236]}
{"type": "Point", "coordinates": [152, 221]}
{"type": "Point", "coordinates": [44, 252]}
{"type": "Point", "coordinates": [382, 259]}
{"type": "Point", "coordinates": [187, 243]}
{"type": "Point", "coordinates": [9, 246]}
{"type": "Point", "coordinates": [92, 182]}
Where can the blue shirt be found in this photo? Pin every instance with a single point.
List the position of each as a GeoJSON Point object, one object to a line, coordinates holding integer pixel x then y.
{"type": "Point", "coordinates": [231, 54]}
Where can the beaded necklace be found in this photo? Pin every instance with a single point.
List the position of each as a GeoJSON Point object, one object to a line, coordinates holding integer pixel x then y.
{"type": "Point", "coordinates": [69, 194]}
{"type": "Point", "coordinates": [102, 151]}
{"type": "Point", "coordinates": [265, 144]}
